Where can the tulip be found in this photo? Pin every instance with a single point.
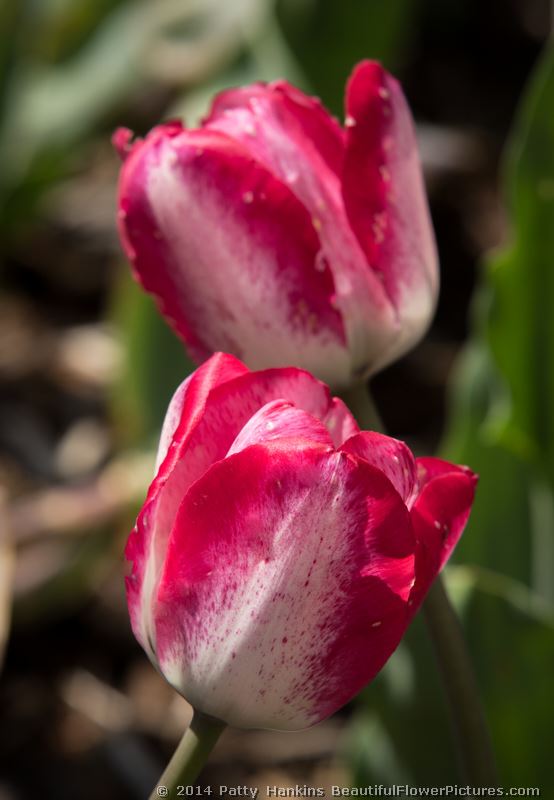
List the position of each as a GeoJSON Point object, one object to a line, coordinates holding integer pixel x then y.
{"type": "Point", "coordinates": [281, 552]}
{"type": "Point", "coordinates": [273, 233]}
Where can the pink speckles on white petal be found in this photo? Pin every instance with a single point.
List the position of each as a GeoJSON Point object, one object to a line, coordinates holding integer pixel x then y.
{"type": "Point", "coordinates": [278, 566]}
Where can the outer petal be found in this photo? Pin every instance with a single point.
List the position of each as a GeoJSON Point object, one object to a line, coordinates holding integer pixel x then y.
{"type": "Point", "coordinates": [146, 544]}
{"type": "Point", "coordinates": [439, 516]}
{"type": "Point", "coordinates": [285, 585]}
{"type": "Point", "coordinates": [187, 407]}
{"type": "Point", "coordinates": [385, 200]}
{"type": "Point", "coordinates": [229, 252]}
{"type": "Point", "coordinates": [204, 419]}
{"type": "Point", "coordinates": [391, 456]}
{"type": "Point", "coordinates": [295, 138]}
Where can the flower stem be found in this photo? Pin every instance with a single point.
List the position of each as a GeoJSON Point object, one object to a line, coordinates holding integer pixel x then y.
{"type": "Point", "coordinates": [359, 401]}
{"type": "Point", "coordinates": [458, 676]}
{"type": "Point", "coordinates": [190, 755]}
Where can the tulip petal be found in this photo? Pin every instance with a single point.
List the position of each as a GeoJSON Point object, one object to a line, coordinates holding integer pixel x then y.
{"type": "Point", "coordinates": [146, 543]}
{"type": "Point", "coordinates": [260, 114]}
{"type": "Point", "coordinates": [384, 196]}
{"type": "Point", "coordinates": [229, 252]}
{"type": "Point", "coordinates": [280, 420]}
{"type": "Point", "coordinates": [339, 422]}
{"type": "Point", "coordinates": [439, 516]}
{"type": "Point", "coordinates": [391, 456]}
{"type": "Point", "coordinates": [213, 408]}
{"type": "Point", "coordinates": [300, 143]}
{"type": "Point", "coordinates": [285, 585]}
{"type": "Point", "coordinates": [219, 369]}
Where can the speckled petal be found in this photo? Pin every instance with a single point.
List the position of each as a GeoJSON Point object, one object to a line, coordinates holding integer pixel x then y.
{"type": "Point", "coordinates": [285, 585]}
{"type": "Point", "coordinates": [204, 418]}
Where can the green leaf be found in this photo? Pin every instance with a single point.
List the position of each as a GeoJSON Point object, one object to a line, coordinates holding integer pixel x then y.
{"type": "Point", "coordinates": [156, 363]}
{"type": "Point", "coordinates": [521, 323]}
{"type": "Point", "coordinates": [502, 421]}
{"type": "Point", "coordinates": [498, 533]}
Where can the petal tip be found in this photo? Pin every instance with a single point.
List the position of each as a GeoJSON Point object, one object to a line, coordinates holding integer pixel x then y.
{"type": "Point", "coordinates": [122, 142]}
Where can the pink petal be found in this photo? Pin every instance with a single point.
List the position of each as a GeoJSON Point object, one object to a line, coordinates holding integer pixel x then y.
{"type": "Point", "coordinates": [146, 544]}
{"type": "Point", "coordinates": [220, 368]}
{"type": "Point", "coordinates": [247, 114]}
{"type": "Point", "coordinates": [385, 199]}
{"type": "Point", "coordinates": [229, 252]}
{"type": "Point", "coordinates": [285, 584]}
{"type": "Point", "coordinates": [203, 420]}
{"type": "Point", "coordinates": [339, 422]}
{"type": "Point", "coordinates": [429, 468]}
{"type": "Point", "coordinates": [439, 516]}
{"type": "Point", "coordinates": [281, 420]}
{"type": "Point", "coordinates": [391, 456]}
{"type": "Point", "coordinates": [300, 143]}
{"type": "Point", "coordinates": [122, 141]}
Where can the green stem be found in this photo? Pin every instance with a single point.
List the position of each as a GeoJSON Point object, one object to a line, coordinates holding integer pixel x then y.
{"type": "Point", "coordinates": [466, 712]}
{"type": "Point", "coordinates": [190, 755]}
{"type": "Point", "coordinates": [359, 401]}
{"type": "Point", "coordinates": [458, 677]}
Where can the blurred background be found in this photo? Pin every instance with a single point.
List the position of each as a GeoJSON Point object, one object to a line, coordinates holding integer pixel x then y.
{"type": "Point", "coordinates": [87, 368]}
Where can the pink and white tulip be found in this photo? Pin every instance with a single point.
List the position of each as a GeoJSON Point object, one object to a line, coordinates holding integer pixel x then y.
{"type": "Point", "coordinates": [281, 553]}
{"type": "Point", "coordinates": [273, 233]}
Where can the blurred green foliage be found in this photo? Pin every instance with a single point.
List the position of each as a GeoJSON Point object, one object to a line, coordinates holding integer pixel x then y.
{"type": "Point", "coordinates": [155, 364]}
{"type": "Point", "coordinates": [520, 325]}
{"type": "Point", "coordinates": [503, 401]}
{"type": "Point", "coordinates": [66, 66]}
{"type": "Point", "coordinates": [328, 38]}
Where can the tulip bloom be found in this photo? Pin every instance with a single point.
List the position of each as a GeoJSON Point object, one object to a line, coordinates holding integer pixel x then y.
{"type": "Point", "coordinates": [273, 233]}
{"type": "Point", "coordinates": [281, 553]}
